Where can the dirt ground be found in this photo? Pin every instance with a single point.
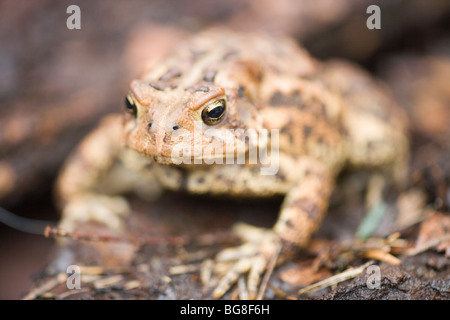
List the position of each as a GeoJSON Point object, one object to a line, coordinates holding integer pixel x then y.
{"type": "Point", "coordinates": [55, 84]}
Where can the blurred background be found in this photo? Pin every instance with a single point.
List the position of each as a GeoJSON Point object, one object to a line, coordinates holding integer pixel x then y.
{"type": "Point", "coordinates": [56, 83]}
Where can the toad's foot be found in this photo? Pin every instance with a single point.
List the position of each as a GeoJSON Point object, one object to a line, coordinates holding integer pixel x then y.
{"type": "Point", "coordinates": [106, 210]}
{"type": "Point", "coordinates": [253, 257]}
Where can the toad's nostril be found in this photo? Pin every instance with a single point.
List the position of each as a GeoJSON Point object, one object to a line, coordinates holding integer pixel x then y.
{"type": "Point", "coordinates": [175, 127]}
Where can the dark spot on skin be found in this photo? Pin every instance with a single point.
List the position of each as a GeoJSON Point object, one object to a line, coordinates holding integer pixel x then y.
{"type": "Point", "coordinates": [309, 76]}
{"type": "Point", "coordinates": [166, 138]}
{"type": "Point", "coordinates": [315, 107]}
{"type": "Point", "coordinates": [202, 89]}
{"type": "Point", "coordinates": [201, 180]}
{"type": "Point", "coordinates": [170, 74]}
{"type": "Point", "coordinates": [241, 92]}
{"type": "Point", "coordinates": [183, 180]}
{"type": "Point", "coordinates": [289, 224]}
{"type": "Point", "coordinates": [286, 131]}
{"type": "Point", "coordinates": [291, 138]}
{"type": "Point", "coordinates": [279, 99]}
{"type": "Point", "coordinates": [152, 139]}
{"type": "Point", "coordinates": [149, 165]}
{"type": "Point", "coordinates": [323, 109]}
{"type": "Point", "coordinates": [196, 53]}
{"type": "Point", "coordinates": [156, 86]}
{"type": "Point", "coordinates": [281, 175]}
{"type": "Point", "coordinates": [307, 206]}
{"type": "Point", "coordinates": [229, 54]}
{"type": "Point", "coordinates": [175, 127]}
{"type": "Point", "coordinates": [343, 131]}
{"type": "Point", "coordinates": [307, 131]}
{"type": "Point", "coordinates": [254, 170]}
{"type": "Point", "coordinates": [209, 76]}
{"type": "Point", "coordinates": [320, 140]}
{"type": "Point", "coordinates": [252, 70]}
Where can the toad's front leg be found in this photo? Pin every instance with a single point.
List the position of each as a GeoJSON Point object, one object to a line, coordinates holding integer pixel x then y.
{"type": "Point", "coordinates": [99, 172]}
{"type": "Point", "coordinates": [301, 214]}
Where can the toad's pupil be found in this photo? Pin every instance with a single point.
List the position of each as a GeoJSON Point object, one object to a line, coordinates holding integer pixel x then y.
{"type": "Point", "coordinates": [216, 112]}
{"type": "Point", "coordinates": [131, 107]}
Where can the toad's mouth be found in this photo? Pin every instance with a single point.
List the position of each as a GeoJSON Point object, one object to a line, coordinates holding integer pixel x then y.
{"type": "Point", "coordinates": [219, 158]}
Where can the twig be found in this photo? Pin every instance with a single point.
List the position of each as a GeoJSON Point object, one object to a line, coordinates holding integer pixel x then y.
{"type": "Point", "coordinates": [270, 268]}
{"type": "Point", "coordinates": [333, 280]}
{"type": "Point", "coordinates": [280, 293]}
{"type": "Point", "coordinates": [56, 232]}
{"type": "Point", "coordinates": [50, 284]}
{"type": "Point", "coordinates": [427, 245]}
{"type": "Point", "coordinates": [183, 268]}
{"type": "Point", "coordinates": [72, 292]}
{"type": "Point", "coordinates": [107, 282]}
{"type": "Point", "coordinates": [206, 271]}
{"type": "Point", "coordinates": [207, 238]}
{"type": "Point", "coordinates": [242, 289]}
{"type": "Point", "coordinates": [379, 254]}
{"type": "Point", "coordinates": [132, 284]}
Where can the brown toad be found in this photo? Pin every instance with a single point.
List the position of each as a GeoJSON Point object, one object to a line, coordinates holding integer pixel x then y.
{"type": "Point", "coordinates": [315, 118]}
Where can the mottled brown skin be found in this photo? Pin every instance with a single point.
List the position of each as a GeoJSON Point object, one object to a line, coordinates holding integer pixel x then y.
{"type": "Point", "coordinates": [329, 115]}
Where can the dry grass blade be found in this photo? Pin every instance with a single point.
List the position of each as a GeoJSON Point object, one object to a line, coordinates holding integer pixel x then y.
{"type": "Point", "coordinates": [242, 289]}
{"type": "Point", "coordinates": [428, 245]}
{"type": "Point", "coordinates": [281, 293]}
{"type": "Point", "coordinates": [92, 270]}
{"type": "Point", "coordinates": [208, 238]}
{"type": "Point", "coordinates": [382, 255]}
{"type": "Point", "coordinates": [184, 268]}
{"type": "Point", "coordinates": [206, 271]}
{"type": "Point", "coordinates": [107, 282]}
{"type": "Point", "coordinates": [333, 280]}
{"type": "Point", "coordinates": [270, 268]}
{"type": "Point", "coordinates": [48, 285]}
{"type": "Point", "coordinates": [55, 232]}
{"type": "Point", "coordinates": [69, 293]}
{"type": "Point", "coordinates": [132, 284]}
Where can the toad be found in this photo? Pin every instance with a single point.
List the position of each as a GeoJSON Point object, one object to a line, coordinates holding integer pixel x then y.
{"type": "Point", "coordinates": [239, 114]}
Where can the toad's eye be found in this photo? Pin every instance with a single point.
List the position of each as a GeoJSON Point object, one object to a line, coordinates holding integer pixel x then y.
{"type": "Point", "coordinates": [214, 112]}
{"type": "Point", "coordinates": [130, 105]}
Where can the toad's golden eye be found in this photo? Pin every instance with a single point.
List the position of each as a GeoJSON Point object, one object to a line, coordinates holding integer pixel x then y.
{"type": "Point", "coordinates": [214, 112]}
{"type": "Point", "coordinates": [130, 105]}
